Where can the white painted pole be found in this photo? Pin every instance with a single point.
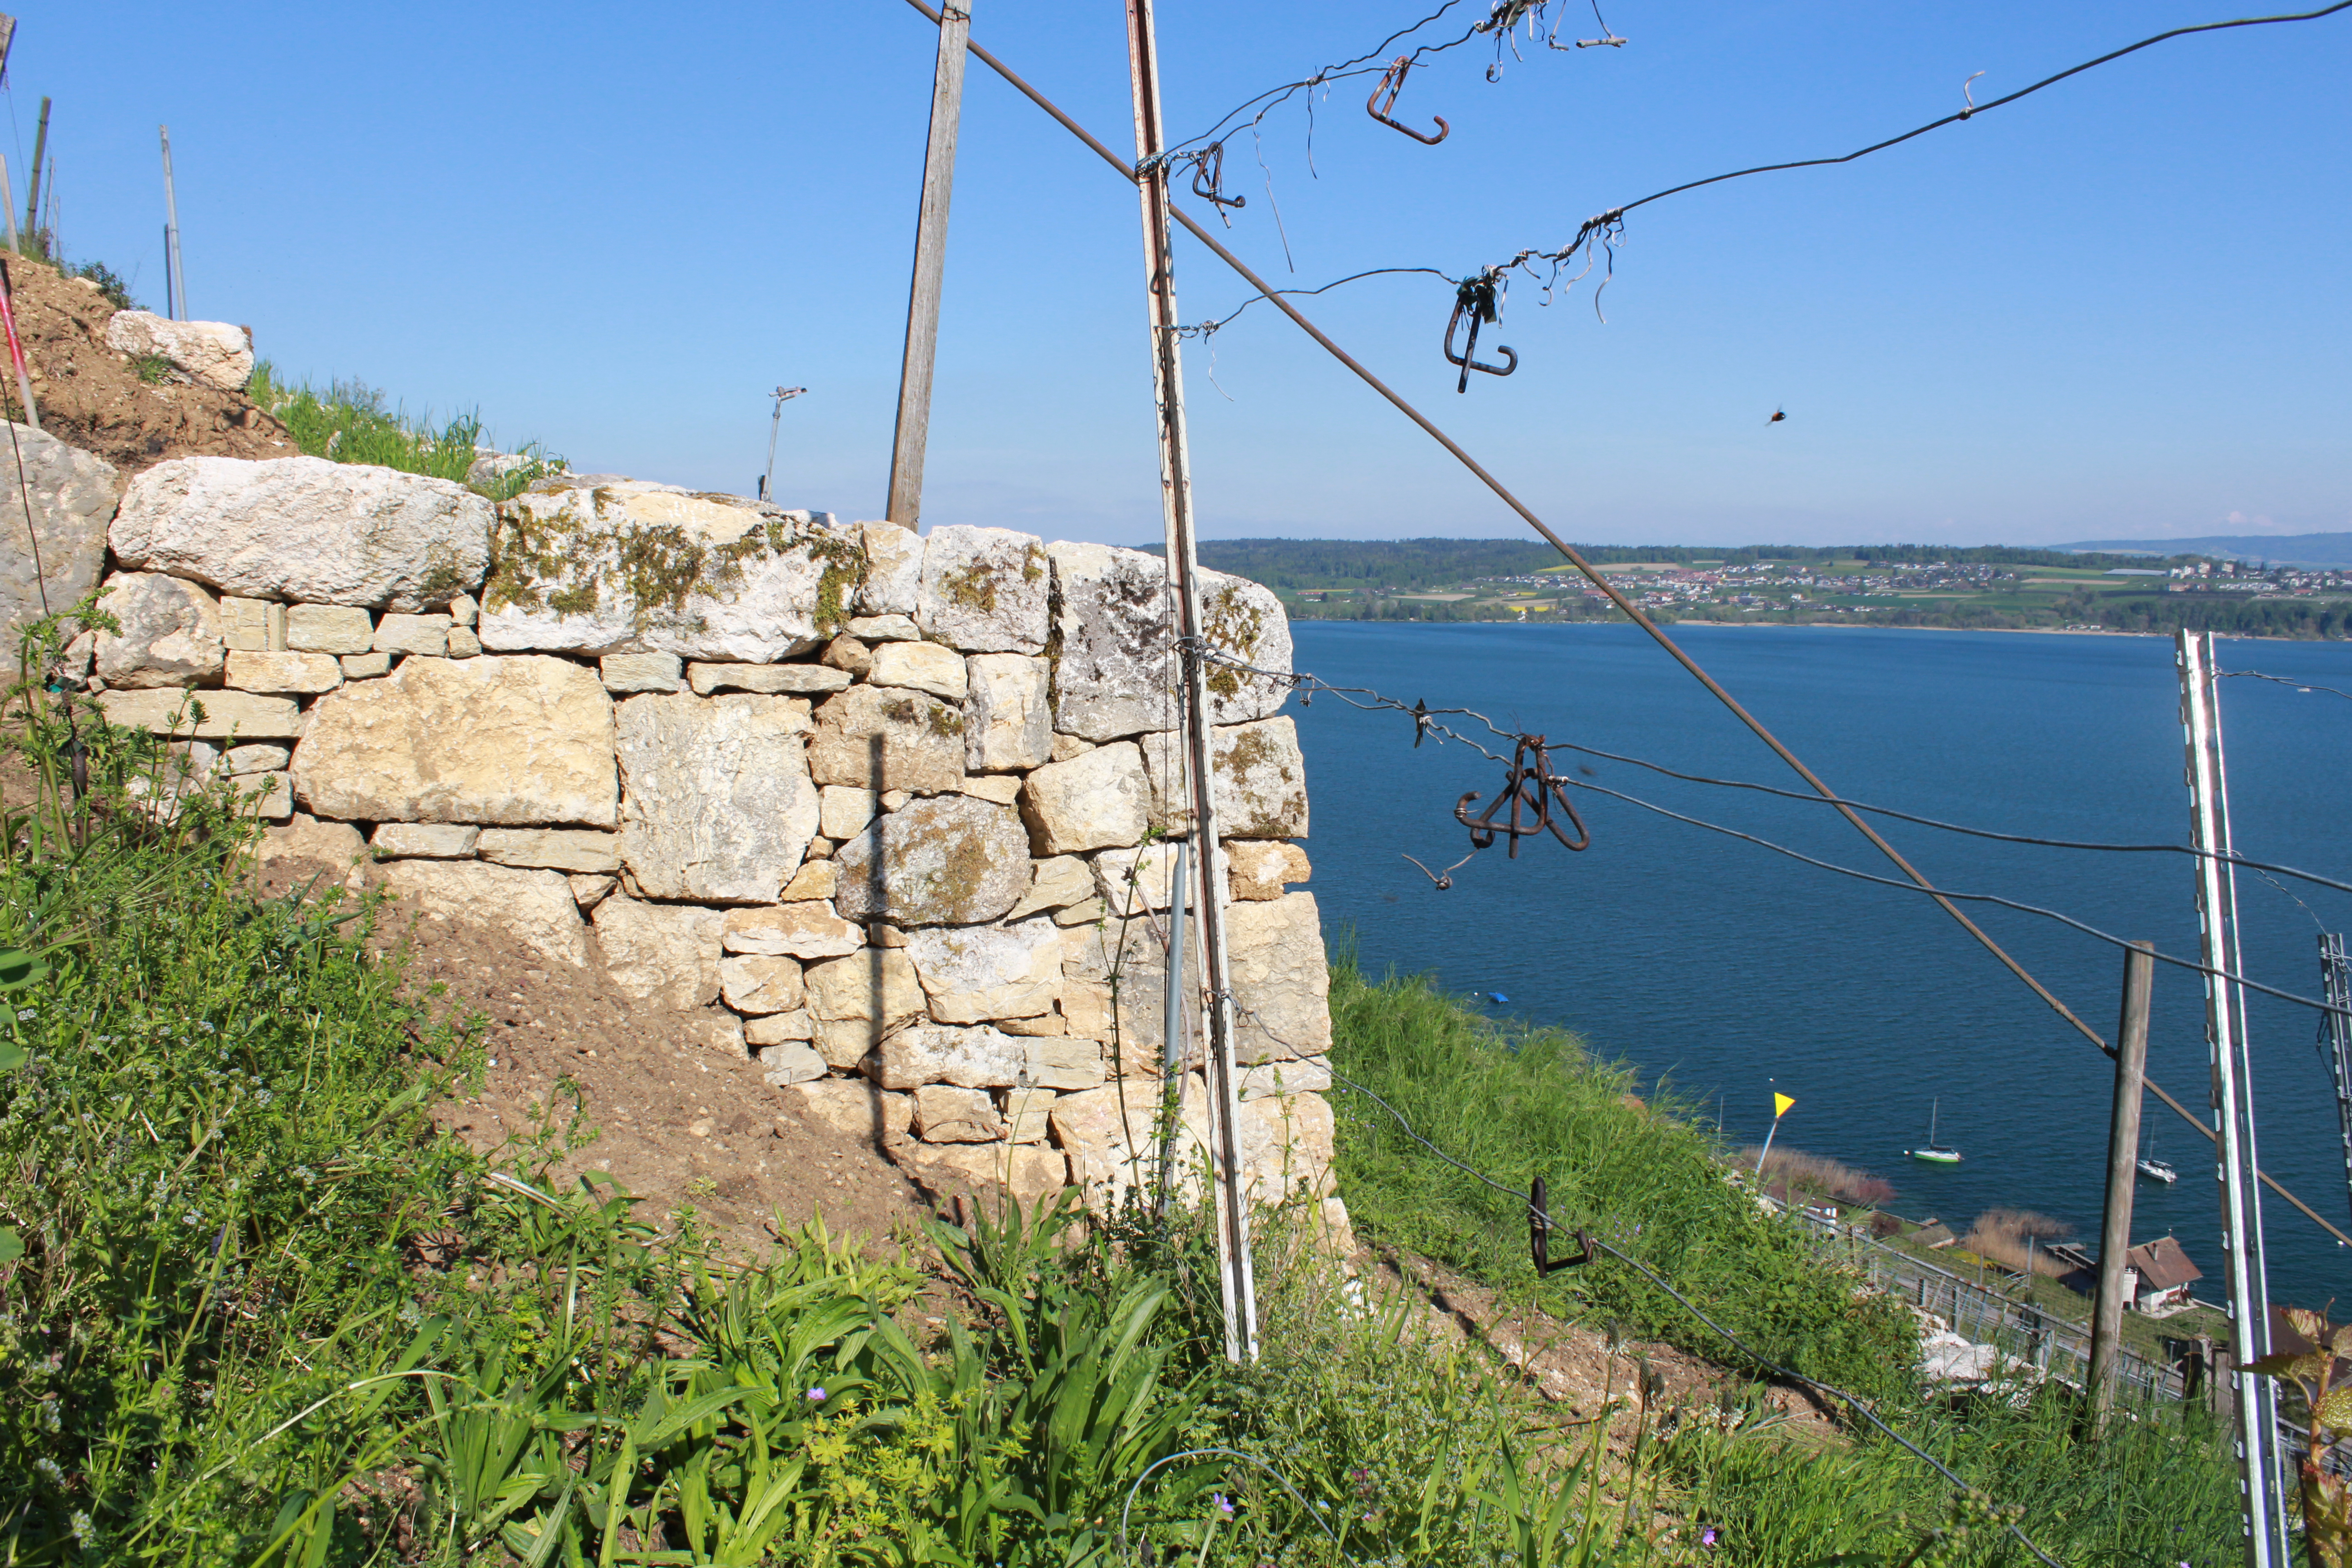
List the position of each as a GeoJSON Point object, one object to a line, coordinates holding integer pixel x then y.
{"type": "Point", "coordinates": [175, 281]}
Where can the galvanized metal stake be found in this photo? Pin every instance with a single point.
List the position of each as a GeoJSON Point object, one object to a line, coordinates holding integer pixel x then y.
{"type": "Point", "coordinates": [907, 448]}
{"type": "Point", "coordinates": [776, 421]}
{"type": "Point", "coordinates": [41, 149]}
{"type": "Point", "coordinates": [176, 280]}
{"type": "Point", "coordinates": [2335, 1031]}
{"type": "Point", "coordinates": [1240, 1285]}
{"type": "Point", "coordinates": [1175, 989]}
{"type": "Point", "coordinates": [2233, 1109]}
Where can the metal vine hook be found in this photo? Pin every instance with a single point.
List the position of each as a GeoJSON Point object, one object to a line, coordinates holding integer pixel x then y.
{"type": "Point", "coordinates": [1209, 164]}
{"type": "Point", "coordinates": [1539, 1223]}
{"type": "Point", "coordinates": [1970, 97]}
{"type": "Point", "coordinates": [1529, 786]}
{"type": "Point", "coordinates": [1393, 82]}
{"type": "Point", "coordinates": [1480, 299]}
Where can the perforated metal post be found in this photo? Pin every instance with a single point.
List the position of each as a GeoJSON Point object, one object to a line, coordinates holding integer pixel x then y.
{"type": "Point", "coordinates": [1240, 1286]}
{"type": "Point", "coordinates": [2233, 1109]}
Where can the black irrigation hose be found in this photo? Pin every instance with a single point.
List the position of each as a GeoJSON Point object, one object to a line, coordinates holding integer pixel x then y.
{"type": "Point", "coordinates": [1839, 1394]}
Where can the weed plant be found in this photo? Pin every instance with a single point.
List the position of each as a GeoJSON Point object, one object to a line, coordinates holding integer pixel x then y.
{"type": "Point", "coordinates": [350, 422]}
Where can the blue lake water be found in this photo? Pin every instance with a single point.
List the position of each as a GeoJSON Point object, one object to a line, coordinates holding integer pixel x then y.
{"type": "Point", "coordinates": [1717, 966]}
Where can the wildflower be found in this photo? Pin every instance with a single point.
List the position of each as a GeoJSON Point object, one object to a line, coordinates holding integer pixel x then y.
{"type": "Point", "coordinates": [1707, 1537]}
{"type": "Point", "coordinates": [816, 1396]}
{"type": "Point", "coordinates": [83, 1531]}
{"type": "Point", "coordinates": [27, 1015]}
{"type": "Point", "coordinates": [49, 1468]}
{"type": "Point", "coordinates": [1223, 1503]}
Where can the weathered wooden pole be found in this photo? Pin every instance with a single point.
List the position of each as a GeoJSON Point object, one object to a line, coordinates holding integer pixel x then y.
{"type": "Point", "coordinates": [40, 148]}
{"type": "Point", "coordinates": [2123, 1162]}
{"type": "Point", "coordinates": [906, 504]}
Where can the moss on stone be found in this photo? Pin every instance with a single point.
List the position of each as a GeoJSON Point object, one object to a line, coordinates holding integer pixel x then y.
{"type": "Point", "coordinates": [974, 588]}
{"type": "Point", "coordinates": [1230, 624]}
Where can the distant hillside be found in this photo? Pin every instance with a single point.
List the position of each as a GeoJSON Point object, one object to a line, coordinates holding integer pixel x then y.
{"type": "Point", "coordinates": [1289, 564]}
{"type": "Point", "coordinates": [2282, 549]}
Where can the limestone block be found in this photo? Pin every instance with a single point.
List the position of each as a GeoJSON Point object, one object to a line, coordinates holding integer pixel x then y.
{"type": "Point", "coordinates": [1028, 1114]}
{"type": "Point", "coordinates": [1257, 869]}
{"type": "Point", "coordinates": [465, 610]}
{"type": "Point", "coordinates": [806, 930]}
{"type": "Point", "coordinates": [1044, 1025]}
{"type": "Point", "coordinates": [464, 644]}
{"type": "Point", "coordinates": [976, 974]}
{"type": "Point", "coordinates": [307, 673]}
{"type": "Point", "coordinates": [1310, 1076]}
{"type": "Point", "coordinates": [1054, 884]}
{"type": "Point", "coordinates": [848, 655]}
{"type": "Point", "coordinates": [714, 1029]}
{"type": "Point", "coordinates": [844, 810]}
{"type": "Point", "coordinates": [1135, 881]}
{"type": "Point", "coordinates": [1008, 714]}
{"type": "Point", "coordinates": [170, 633]}
{"type": "Point", "coordinates": [989, 1173]}
{"type": "Point", "coordinates": [1066, 747]}
{"type": "Point", "coordinates": [305, 529]}
{"type": "Point", "coordinates": [1094, 1128]}
{"type": "Point", "coordinates": [814, 882]}
{"type": "Point", "coordinates": [366, 666]}
{"type": "Point", "coordinates": [1261, 782]}
{"type": "Point", "coordinates": [921, 666]}
{"type": "Point", "coordinates": [666, 952]}
{"type": "Point", "coordinates": [717, 801]}
{"type": "Point", "coordinates": [555, 848]}
{"type": "Point", "coordinates": [843, 1043]}
{"type": "Point", "coordinates": [774, 1028]}
{"type": "Point", "coordinates": [944, 1114]}
{"type": "Point", "coordinates": [984, 590]}
{"type": "Point", "coordinates": [884, 738]}
{"type": "Point", "coordinates": [950, 860]}
{"type": "Point", "coordinates": [1281, 979]}
{"type": "Point", "coordinates": [769, 680]}
{"type": "Point", "coordinates": [414, 634]}
{"type": "Point", "coordinates": [625, 673]}
{"type": "Point", "coordinates": [329, 628]}
{"type": "Point", "coordinates": [212, 354]}
{"type": "Point", "coordinates": [267, 795]}
{"type": "Point", "coordinates": [791, 1062]}
{"type": "Point", "coordinates": [877, 984]}
{"type": "Point", "coordinates": [983, 1058]}
{"type": "Point", "coordinates": [1115, 674]}
{"type": "Point", "coordinates": [534, 908]}
{"type": "Point", "coordinates": [588, 890]}
{"type": "Point", "coordinates": [1096, 801]}
{"type": "Point", "coordinates": [424, 840]}
{"type": "Point", "coordinates": [255, 760]}
{"type": "Point", "coordinates": [894, 570]}
{"type": "Point", "coordinates": [871, 629]}
{"type": "Point", "coordinates": [335, 844]}
{"type": "Point", "coordinates": [258, 626]}
{"type": "Point", "coordinates": [601, 565]}
{"type": "Point", "coordinates": [759, 985]}
{"type": "Point", "coordinates": [509, 741]}
{"type": "Point", "coordinates": [73, 501]}
{"type": "Point", "coordinates": [169, 711]}
{"type": "Point", "coordinates": [1000, 789]}
{"type": "Point", "coordinates": [854, 1107]}
{"type": "Point", "coordinates": [1288, 1145]}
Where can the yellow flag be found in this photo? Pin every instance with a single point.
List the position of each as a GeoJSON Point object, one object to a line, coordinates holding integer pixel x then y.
{"type": "Point", "coordinates": [1780, 1103]}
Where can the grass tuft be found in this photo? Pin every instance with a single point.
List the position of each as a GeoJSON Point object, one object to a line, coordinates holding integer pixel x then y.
{"type": "Point", "coordinates": [350, 422]}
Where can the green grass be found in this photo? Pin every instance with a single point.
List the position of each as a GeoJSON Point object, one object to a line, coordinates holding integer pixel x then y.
{"type": "Point", "coordinates": [2159, 1489]}
{"type": "Point", "coordinates": [349, 422]}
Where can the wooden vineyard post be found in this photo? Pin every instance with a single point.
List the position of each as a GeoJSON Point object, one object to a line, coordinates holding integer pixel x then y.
{"type": "Point", "coordinates": [907, 448]}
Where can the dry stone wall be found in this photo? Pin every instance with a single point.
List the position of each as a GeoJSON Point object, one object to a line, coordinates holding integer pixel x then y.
{"type": "Point", "coordinates": [893, 814]}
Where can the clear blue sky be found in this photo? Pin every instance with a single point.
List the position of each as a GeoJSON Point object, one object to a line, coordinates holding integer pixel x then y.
{"type": "Point", "coordinates": [2117, 308]}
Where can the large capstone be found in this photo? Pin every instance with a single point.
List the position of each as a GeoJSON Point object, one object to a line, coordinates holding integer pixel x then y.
{"type": "Point", "coordinates": [604, 565]}
{"type": "Point", "coordinates": [170, 633]}
{"type": "Point", "coordinates": [717, 803]}
{"type": "Point", "coordinates": [1115, 674]}
{"type": "Point", "coordinates": [508, 742]}
{"type": "Point", "coordinates": [305, 529]}
{"type": "Point", "coordinates": [984, 590]}
{"type": "Point", "coordinates": [955, 860]}
{"type": "Point", "coordinates": [73, 501]}
{"type": "Point", "coordinates": [884, 738]}
{"type": "Point", "coordinates": [212, 354]}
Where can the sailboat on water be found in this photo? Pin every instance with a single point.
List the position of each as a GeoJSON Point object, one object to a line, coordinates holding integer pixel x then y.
{"type": "Point", "coordinates": [1934, 1153]}
{"type": "Point", "coordinates": [2153, 1169]}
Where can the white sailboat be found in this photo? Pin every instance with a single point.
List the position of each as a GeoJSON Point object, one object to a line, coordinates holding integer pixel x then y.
{"type": "Point", "coordinates": [2153, 1169]}
{"type": "Point", "coordinates": [1934, 1153]}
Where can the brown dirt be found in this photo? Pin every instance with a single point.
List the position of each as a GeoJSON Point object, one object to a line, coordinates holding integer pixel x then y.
{"type": "Point", "coordinates": [668, 1118]}
{"type": "Point", "coordinates": [90, 397]}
